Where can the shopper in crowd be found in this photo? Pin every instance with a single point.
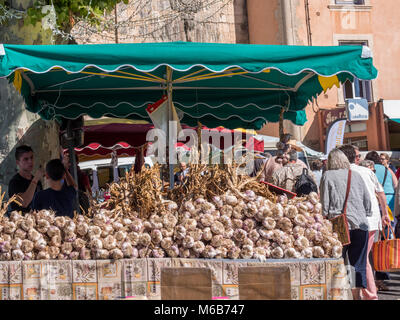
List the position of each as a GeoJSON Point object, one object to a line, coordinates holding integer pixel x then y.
{"type": "Point", "coordinates": [59, 198]}
{"type": "Point", "coordinates": [24, 184]}
{"type": "Point", "coordinates": [385, 160]}
{"type": "Point", "coordinates": [389, 186]}
{"type": "Point", "coordinates": [180, 176]}
{"type": "Point", "coordinates": [316, 168]}
{"type": "Point", "coordinates": [358, 209]}
{"type": "Point", "coordinates": [385, 177]}
{"type": "Point", "coordinates": [84, 187]}
{"type": "Point", "coordinates": [286, 176]}
{"type": "Point", "coordinates": [273, 163]}
{"type": "Point", "coordinates": [376, 193]}
{"type": "Point", "coordinates": [368, 164]}
{"type": "Point", "coordinates": [258, 168]}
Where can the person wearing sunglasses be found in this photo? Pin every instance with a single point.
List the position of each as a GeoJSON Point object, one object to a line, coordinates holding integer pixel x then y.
{"type": "Point", "coordinates": [385, 160]}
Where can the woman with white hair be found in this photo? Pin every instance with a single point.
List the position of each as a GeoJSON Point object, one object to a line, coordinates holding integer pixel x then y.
{"type": "Point", "coordinates": [333, 193]}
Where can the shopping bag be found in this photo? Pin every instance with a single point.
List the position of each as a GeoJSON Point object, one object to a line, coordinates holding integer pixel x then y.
{"type": "Point", "coordinates": [386, 253]}
{"type": "Point", "coordinates": [341, 227]}
{"type": "Point", "coordinates": [339, 223]}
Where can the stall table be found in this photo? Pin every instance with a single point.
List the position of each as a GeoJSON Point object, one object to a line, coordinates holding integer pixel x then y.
{"type": "Point", "coordinates": [310, 279]}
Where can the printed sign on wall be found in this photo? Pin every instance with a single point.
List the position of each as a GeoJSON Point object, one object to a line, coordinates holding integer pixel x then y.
{"type": "Point", "coordinates": [357, 109]}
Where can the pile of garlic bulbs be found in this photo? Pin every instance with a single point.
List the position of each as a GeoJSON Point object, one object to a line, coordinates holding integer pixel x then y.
{"type": "Point", "coordinates": [235, 225]}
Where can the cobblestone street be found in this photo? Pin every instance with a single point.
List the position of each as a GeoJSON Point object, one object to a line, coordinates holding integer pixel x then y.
{"type": "Point", "coordinates": [394, 288]}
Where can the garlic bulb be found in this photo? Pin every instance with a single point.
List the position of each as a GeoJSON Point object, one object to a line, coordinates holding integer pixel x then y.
{"type": "Point", "coordinates": [21, 234]}
{"type": "Point", "coordinates": [307, 253]}
{"type": "Point", "coordinates": [40, 244]}
{"type": "Point", "coordinates": [78, 244]}
{"type": "Point", "coordinates": [277, 253]}
{"type": "Point", "coordinates": [33, 235]}
{"type": "Point", "coordinates": [43, 255]}
{"type": "Point", "coordinates": [158, 253]}
{"type": "Point", "coordinates": [198, 247]}
{"type": "Point", "coordinates": [66, 248]}
{"type": "Point", "coordinates": [74, 255]}
{"type": "Point", "coordinates": [269, 223]}
{"type": "Point", "coordinates": [144, 239]}
{"type": "Point", "coordinates": [59, 222]}
{"type": "Point", "coordinates": [42, 225]}
{"type": "Point", "coordinates": [318, 252]}
{"type": "Point", "coordinates": [234, 253]}
{"type": "Point", "coordinates": [109, 243]}
{"type": "Point", "coordinates": [17, 254]}
{"type": "Point", "coordinates": [9, 227]}
{"type": "Point", "coordinates": [116, 254]}
{"type": "Point", "coordinates": [82, 229]}
{"type": "Point", "coordinates": [188, 242]}
{"type": "Point", "coordinates": [246, 252]}
{"type": "Point", "coordinates": [53, 252]}
{"type": "Point", "coordinates": [84, 254]}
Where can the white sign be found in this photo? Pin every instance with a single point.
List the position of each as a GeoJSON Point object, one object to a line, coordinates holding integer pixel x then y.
{"type": "Point", "coordinates": [335, 134]}
{"type": "Point", "coordinates": [357, 109]}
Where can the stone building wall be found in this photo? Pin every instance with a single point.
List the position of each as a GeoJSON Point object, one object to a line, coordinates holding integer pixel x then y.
{"type": "Point", "coordinates": [17, 125]}
{"type": "Point", "coordinates": [217, 21]}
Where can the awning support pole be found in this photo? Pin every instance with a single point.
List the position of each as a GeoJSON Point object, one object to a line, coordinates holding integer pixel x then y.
{"type": "Point", "coordinates": [72, 159]}
{"type": "Point", "coordinates": [169, 94]}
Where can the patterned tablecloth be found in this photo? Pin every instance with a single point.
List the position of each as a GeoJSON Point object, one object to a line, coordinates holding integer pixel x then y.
{"type": "Point", "coordinates": [311, 279]}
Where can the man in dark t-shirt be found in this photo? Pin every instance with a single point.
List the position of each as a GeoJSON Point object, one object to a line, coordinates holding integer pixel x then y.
{"type": "Point", "coordinates": [59, 197]}
{"type": "Point", "coordinates": [24, 184]}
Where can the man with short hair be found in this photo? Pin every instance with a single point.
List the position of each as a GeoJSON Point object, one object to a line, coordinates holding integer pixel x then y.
{"type": "Point", "coordinates": [23, 183]}
{"type": "Point", "coordinates": [61, 199]}
{"type": "Point", "coordinates": [286, 176]}
{"type": "Point", "coordinates": [357, 159]}
{"type": "Point", "coordinates": [375, 221]}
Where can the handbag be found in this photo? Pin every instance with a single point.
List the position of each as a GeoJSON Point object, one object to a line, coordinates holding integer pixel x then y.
{"type": "Point", "coordinates": [339, 223]}
{"type": "Point", "coordinates": [386, 253]}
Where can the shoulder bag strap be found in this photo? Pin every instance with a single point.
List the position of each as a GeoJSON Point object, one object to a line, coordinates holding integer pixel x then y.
{"type": "Point", "coordinates": [347, 191]}
{"type": "Point", "coordinates": [384, 178]}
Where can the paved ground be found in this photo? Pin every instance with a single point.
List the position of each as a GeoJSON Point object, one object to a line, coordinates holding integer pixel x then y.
{"type": "Point", "coordinates": [394, 288]}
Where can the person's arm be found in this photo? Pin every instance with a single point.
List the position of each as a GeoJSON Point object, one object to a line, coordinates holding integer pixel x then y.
{"type": "Point", "coordinates": [397, 202]}
{"type": "Point", "coordinates": [394, 179]}
{"type": "Point", "coordinates": [382, 203]}
{"type": "Point", "coordinates": [68, 178]}
{"type": "Point", "coordinates": [366, 198]}
{"type": "Point", "coordinates": [27, 196]}
{"type": "Point", "coordinates": [324, 195]}
{"type": "Point", "coordinates": [86, 182]}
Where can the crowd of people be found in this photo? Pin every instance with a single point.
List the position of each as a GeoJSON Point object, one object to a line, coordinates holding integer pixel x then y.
{"type": "Point", "coordinates": [368, 188]}
{"type": "Point", "coordinates": [372, 206]}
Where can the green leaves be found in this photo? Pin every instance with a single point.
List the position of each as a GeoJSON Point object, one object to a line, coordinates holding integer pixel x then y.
{"type": "Point", "coordinates": [68, 11]}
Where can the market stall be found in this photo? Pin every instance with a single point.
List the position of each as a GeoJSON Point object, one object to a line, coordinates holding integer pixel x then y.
{"type": "Point", "coordinates": [216, 214]}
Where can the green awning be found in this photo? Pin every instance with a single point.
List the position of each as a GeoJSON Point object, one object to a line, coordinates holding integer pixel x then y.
{"type": "Point", "coordinates": [396, 120]}
{"type": "Point", "coordinates": [230, 85]}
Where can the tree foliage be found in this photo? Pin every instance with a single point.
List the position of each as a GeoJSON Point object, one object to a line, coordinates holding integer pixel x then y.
{"type": "Point", "coordinates": [67, 11]}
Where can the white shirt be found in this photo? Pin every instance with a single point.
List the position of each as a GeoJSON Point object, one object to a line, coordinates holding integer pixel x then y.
{"type": "Point", "coordinates": [373, 187]}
